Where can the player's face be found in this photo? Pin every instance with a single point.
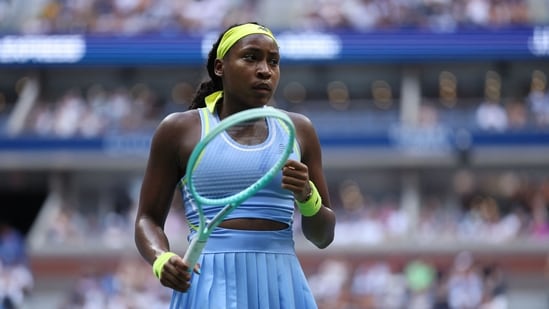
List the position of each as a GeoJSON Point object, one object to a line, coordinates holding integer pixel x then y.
{"type": "Point", "coordinates": [251, 70]}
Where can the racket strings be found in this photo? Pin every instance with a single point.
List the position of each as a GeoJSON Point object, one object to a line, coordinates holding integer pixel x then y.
{"type": "Point", "coordinates": [223, 172]}
{"type": "Point", "coordinates": [249, 133]}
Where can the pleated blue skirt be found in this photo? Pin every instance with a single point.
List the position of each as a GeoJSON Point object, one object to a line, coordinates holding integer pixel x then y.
{"type": "Point", "coordinates": [248, 270]}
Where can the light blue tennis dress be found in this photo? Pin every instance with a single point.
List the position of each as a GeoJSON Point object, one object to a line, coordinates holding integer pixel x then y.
{"type": "Point", "coordinates": [242, 269]}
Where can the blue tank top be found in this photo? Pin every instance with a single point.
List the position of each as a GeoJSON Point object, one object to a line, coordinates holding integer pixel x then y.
{"type": "Point", "coordinates": [272, 202]}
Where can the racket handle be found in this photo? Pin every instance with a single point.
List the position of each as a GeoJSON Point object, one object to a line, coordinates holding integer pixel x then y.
{"type": "Point", "coordinates": [193, 252]}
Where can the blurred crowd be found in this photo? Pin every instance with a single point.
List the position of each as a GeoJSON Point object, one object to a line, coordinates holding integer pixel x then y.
{"type": "Point", "coordinates": [516, 211]}
{"type": "Point", "coordinates": [16, 277]}
{"type": "Point", "coordinates": [417, 283]}
{"type": "Point", "coordinates": [100, 110]}
{"type": "Point", "coordinates": [169, 16]}
{"type": "Point", "coordinates": [97, 112]}
{"type": "Point", "coordinates": [505, 207]}
{"type": "Point", "coordinates": [130, 286]}
{"type": "Point", "coordinates": [494, 114]}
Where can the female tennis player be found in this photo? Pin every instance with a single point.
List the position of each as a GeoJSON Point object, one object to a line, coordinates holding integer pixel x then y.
{"type": "Point", "coordinates": [249, 260]}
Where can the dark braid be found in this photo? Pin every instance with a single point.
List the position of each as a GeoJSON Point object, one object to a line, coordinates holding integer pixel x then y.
{"type": "Point", "coordinates": [210, 86]}
{"type": "Point", "coordinates": [214, 84]}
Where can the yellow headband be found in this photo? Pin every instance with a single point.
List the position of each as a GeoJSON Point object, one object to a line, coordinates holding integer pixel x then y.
{"type": "Point", "coordinates": [236, 33]}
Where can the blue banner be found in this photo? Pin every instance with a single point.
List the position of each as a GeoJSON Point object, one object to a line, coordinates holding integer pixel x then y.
{"type": "Point", "coordinates": [397, 139]}
{"type": "Point", "coordinates": [296, 47]}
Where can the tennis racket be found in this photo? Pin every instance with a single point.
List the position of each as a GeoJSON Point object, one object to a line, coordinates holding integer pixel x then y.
{"type": "Point", "coordinates": [229, 181]}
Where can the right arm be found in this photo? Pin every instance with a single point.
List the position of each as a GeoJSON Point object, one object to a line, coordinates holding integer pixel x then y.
{"type": "Point", "coordinates": [171, 143]}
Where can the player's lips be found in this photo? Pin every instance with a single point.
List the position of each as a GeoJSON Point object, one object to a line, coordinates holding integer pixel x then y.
{"type": "Point", "coordinates": [262, 87]}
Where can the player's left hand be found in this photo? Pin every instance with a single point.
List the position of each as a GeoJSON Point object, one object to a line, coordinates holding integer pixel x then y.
{"type": "Point", "coordinates": [295, 177]}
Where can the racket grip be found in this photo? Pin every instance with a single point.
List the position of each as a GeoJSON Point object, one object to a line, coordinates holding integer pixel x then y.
{"type": "Point", "coordinates": [193, 252]}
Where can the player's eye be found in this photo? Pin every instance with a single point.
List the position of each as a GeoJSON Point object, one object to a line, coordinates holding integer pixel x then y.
{"type": "Point", "coordinates": [249, 57]}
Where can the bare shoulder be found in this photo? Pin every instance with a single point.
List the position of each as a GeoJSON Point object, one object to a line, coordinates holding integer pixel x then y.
{"type": "Point", "coordinates": [300, 120]}
{"type": "Point", "coordinates": [181, 119]}
{"type": "Point", "coordinates": [306, 133]}
{"type": "Point", "coordinates": [178, 122]}
{"type": "Point", "coordinates": [178, 127]}
{"type": "Point", "coordinates": [303, 124]}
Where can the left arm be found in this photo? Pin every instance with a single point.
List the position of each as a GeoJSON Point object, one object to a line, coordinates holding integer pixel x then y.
{"type": "Point", "coordinates": [319, 228]}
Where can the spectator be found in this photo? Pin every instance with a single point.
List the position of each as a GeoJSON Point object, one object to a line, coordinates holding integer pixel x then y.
{"type": "Point", "coordinates": [465, 288]}
{"type": "Point", "coordinates": [16, 279]}
{"type": "Point", "coordinates": [538, 99]}
{"type": "Point", "coordinates": [420, 279]}
{"type": "Point", "coordinates": [68, 114]}
{"type": "Point", "coordinates": [540, 218]}
{"type": "Point", "coordinates": [490, 114]}
{"type": "Point", "coordinates": [517, 115]}
{"type": "Point", "coordinates": [12, 245]}
{"type": "Point", "coordinates": [329, 282]}
{"type": "Point", "coordinates": [495, 288]}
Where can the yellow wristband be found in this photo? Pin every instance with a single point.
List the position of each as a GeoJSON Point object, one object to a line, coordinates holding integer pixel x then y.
{"type": "Point", "coordinates": [159, 263]}
{"type": "Point", "coordinates": [313, 203]}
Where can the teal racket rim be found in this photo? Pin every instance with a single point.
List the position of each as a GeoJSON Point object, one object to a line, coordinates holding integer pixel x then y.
{"type": "Point", "coordinates": [246, 115]}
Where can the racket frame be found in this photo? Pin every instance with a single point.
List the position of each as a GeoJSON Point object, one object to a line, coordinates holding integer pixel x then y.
{"type": "Point", "coordinates": [206, 226]}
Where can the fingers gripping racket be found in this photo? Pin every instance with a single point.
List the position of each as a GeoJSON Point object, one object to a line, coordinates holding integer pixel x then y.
{"type": "Point", "coordinates": [228, 180]}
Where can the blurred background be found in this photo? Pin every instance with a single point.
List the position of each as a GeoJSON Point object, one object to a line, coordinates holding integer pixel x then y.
{"type": "Point", "coordinates": [433, 117]}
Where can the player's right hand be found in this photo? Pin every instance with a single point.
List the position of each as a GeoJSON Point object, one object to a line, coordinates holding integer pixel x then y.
{"type": "Point", "coordinates": [176, 274]}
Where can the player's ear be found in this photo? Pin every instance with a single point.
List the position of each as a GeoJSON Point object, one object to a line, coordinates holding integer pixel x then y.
{"type": "Point", "coordinates": [218, 67]}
